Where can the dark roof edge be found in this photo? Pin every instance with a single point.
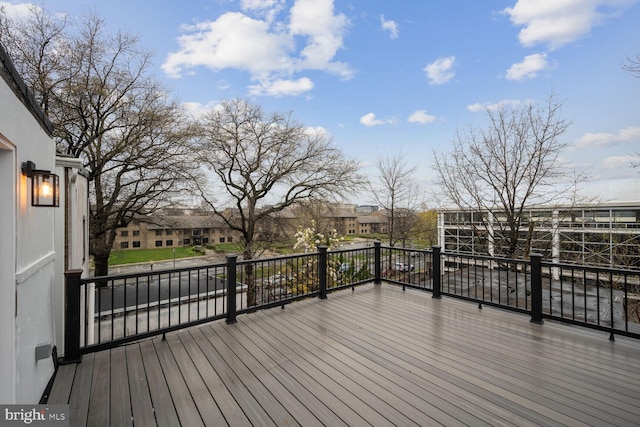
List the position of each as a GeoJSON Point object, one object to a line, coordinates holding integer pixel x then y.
{"type": "Point", "coordinates": [14, 80]}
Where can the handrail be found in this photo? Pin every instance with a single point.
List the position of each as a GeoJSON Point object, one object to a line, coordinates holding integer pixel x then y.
{"type": "Point", "coordinates": [109, 310]}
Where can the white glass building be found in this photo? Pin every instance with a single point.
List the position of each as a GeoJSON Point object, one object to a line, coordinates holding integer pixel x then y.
{"type": "Point", "coordinates": [605, 235]}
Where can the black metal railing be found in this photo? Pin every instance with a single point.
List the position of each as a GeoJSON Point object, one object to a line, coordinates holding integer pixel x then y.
{"type": "Point", "coordinates": [407, 267]}
{"type": "Point", "coordinates": [120, 308]}
{"type": "Point", "coordinates": [348, 268]}
{"type": "Point", "coordinates": [102, 312]}
{"type": "Point", "coordinates": [601, 298]}
{"type": "Point", "coordinates": [493, 281]}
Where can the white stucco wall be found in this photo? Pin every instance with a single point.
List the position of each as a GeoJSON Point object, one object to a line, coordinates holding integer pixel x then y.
{"type": "Point", "coordinates": [28, 287]}
{"type": "Point", "coordinates": [72, 245]}
{"type": "Point", "coordinates": [7, 267]}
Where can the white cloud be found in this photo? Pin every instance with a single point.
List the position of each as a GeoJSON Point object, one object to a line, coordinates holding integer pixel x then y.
{"type": "Point", "coordinates": [598, 140]}
{"type": "Point", "coordinates": [477, 107]}
{"type": "Point", "coordinates": [269, 9]}
{"type": "Point", "coordinates": [370, 120]}
{"type": "Point", "coordinates": [439, 71]}
{"type": "Point", "coordinates": [197, 109]}
{"type": "Point", "coordinates": [251, 5]}
{"type": "Point", "coordinates": [556, 23]}
{"type": "Point", "coordinates": [268, 49]}
{"type": "Point", "coordinates": [528, 68]}
{"type": "Point", "coordinates": [390, 26]}
{"type": "Point", "coordinates": [316, 22]}
{"type": "Point", "coordinates": [229, 42]}
{"type": "Point", "coordinates": [18, 11]}
{"type": "Point", "coordinates": [282, 87]}
{"type": "Point", "coordinates": [421, 116]}
{"type": "Point", "coordinates": [619, 162]}
{"type": "Point", "coordinates": [317, 131]}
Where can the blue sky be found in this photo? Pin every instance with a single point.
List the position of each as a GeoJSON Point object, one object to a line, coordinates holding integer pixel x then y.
{"type": "Point", "coordinates": [382, 76]}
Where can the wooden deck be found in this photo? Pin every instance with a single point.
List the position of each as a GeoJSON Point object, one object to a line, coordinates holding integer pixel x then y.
{"type": "Point", "coordinates": [376, 356]}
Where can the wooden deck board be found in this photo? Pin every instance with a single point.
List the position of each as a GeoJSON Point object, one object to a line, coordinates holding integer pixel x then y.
{"type": "Point", "coordinates": [209, 411]}
{"type": "Point", "coordinates": [254, 412]}
{"type": "Point", "coordinates": [61, 389]}
{"type": "Point", "coordinates": [164, 409]}
{"type": "Point", "coordinates": [503, 375]}
{"type": "Point", "coordinates": [120, 403]}
{"type": "Point", "coordinates": [392, 359]}
{"type": "Point", "coordinates": [346, 405]}
{"type": "Point", "coordinates": [261, 384]}
{"type": "Point", "coordinates": [80, 392]}
{"type": "Point", "coordinates": [141, 405]}
{"type": "Point", "coordinates": [328, 360]}
{"type": "Point", "coordinates": [419, 391]}
{"type": "Point", "coordinates": [375, 356]}
{"type": "Point", "coordinates": [182, 399]}
{"type": "Point", "coordinates": [223, 398]}
{"type": "Point", "coordinates": [100, 397]}
{"type": "Point", "coordinates": [503, 378]}
{"type": "Point", "coordinates": [282, 357]}
{"type": "Point", "coordinates": [302, 403]}
{"type": "Point", "coordinates": [366, 375]}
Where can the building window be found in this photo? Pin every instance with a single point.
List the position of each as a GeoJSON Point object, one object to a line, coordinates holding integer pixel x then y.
{"type": "Point", "coordinates": [124, 245]}
{"type": "Point", "coordinates": [222, 240]}
{"type": "Point", "coordinates": [158, 232]}
{"type": "Point", "coordinates": [169, 232]}
{"type": "Point", "coordinates": [205, 240]}
{"type": "Point", "coordinates": [186, 241]}
{"type": "Point", "coordinates": [169, 243]}
{"type": "Point", "coordinates": [136, 243]}
{"type": "Point", "coordinates": [158, 243]}
{"type": "Point", "coordinates": [230, 239]}
{"type": "Point", "coordinates": [136, 232]}
{"type": "Point", "coordinates": [124, 233]}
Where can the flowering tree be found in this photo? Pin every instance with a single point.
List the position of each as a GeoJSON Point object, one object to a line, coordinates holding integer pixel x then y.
{"type": "Point", "coordinates": [308, 239]}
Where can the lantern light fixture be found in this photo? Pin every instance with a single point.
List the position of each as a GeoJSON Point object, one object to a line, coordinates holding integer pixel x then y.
{"type": "Point", "coordinates": [45, 186]}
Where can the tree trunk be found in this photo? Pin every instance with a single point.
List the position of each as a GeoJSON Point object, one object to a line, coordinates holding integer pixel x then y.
{"type": "Point", "coordinates": [101, 263]}
{"type": "Point", "coordinates": [100, 249]}
{"type": "Point", "coordinates": [247, 254]}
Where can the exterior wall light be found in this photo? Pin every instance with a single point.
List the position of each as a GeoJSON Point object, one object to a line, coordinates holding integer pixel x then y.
{"type": "Point", "coordinates": [45, 186]}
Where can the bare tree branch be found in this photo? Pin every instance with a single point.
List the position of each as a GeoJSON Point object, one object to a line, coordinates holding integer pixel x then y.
{"type": "Point", "coordinates": [510, 164]}
{"type": "Point", "coordinates": [397, 193]}
{"type": "Point", "coordinates": [106, 110]}
{"type": "Point", "coordinates": [632, 66]}
{"type": "Point", "coordinates": [260, 163]}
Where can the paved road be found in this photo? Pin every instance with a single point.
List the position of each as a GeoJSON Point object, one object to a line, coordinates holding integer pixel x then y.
{"type": "Point", "coordinates": [170, 286]}
{"type": "Point", "coordinates": [151, 290]}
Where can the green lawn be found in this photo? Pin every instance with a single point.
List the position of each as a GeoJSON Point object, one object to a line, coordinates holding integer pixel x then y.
{"type": "Point", "coordinates": [146, 255]}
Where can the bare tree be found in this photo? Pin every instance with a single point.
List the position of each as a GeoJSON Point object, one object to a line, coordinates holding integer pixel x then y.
{"type": "Point", "coordinates": [396, 192]}
{"type": "Point", "coordinates": [261, 163]}
{"type": "Point", "coordinates": [514, 162]}
{"type": "Point", "coordinates": [109, 113]}
{"type": "Point", "coordinates": [632, 66]}
{"type": "Point", "coordinates": [37, 47]}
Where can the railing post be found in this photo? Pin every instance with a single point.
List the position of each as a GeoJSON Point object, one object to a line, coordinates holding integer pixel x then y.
{"type": "Point", "coordinates": [436, 262]}
{"type": "Point", "coordinates": [231, 288]}
{"type": "Point", "coordinates": [377, 255]}
{"type": "Point", "coordinates": [72, 316]}
{"type": "Point", "coordinates": [536, 289]}
{"type": "Point", "coordinates": [322, 271]}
